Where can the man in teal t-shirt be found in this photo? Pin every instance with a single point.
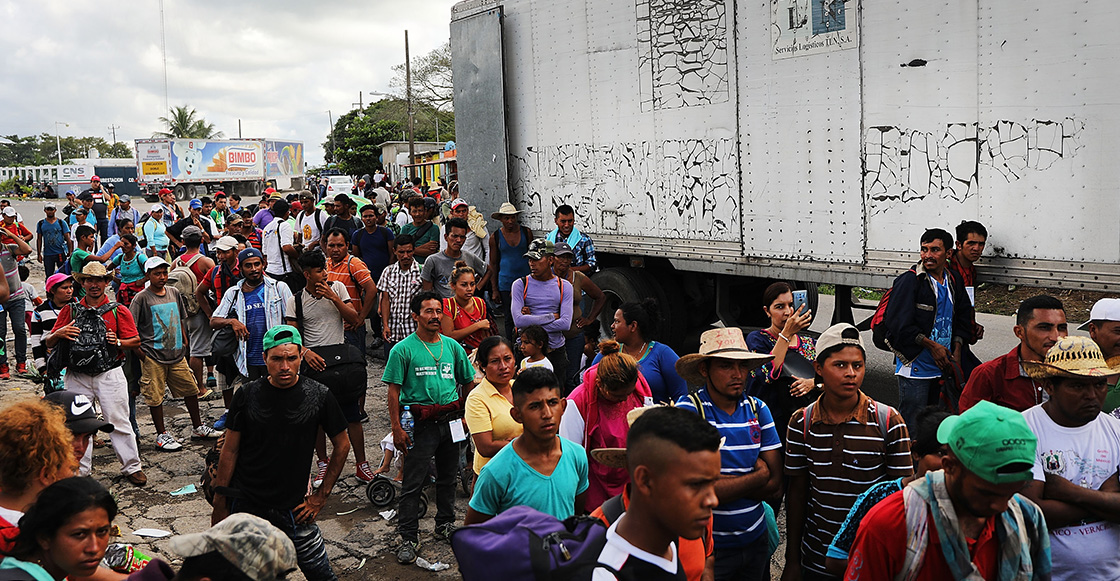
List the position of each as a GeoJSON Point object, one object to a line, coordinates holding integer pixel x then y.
{"type": "Point", "coordinates": [528, 472]}
{"type": "Point", "coordinates": [424, 372]}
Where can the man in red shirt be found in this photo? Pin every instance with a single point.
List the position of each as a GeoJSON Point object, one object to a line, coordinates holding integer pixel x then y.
{"type": "Point", "coordinates": [108, 386]}
{"type": "Point", "coordinates": [1039, 323]}
{"type": "Point", "coordinates": [977, 526]}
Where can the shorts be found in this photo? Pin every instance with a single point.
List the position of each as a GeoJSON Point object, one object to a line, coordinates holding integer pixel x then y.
{"type": "Point", "coordinates": [352, 412]}
{"type": "Point", "coordinates": [156, 377]}
{"type": "Point", "coordinates": [200, 333]}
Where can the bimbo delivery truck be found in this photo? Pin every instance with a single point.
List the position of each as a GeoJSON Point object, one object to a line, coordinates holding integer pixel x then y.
{"type": "Point", "coordinates": [193, 168]}
{"type": "Point", "coordinates": [710, 147]}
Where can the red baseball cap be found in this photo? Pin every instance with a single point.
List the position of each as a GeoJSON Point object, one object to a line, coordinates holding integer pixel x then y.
{"type": "Point", "coordinates": [95, 179]}
{"type": "Point", "coordinates": [164, 191]}
{"type": "Point", "coordinates": [270, 190]}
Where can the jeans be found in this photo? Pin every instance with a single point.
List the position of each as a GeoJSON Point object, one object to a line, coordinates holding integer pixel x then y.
{"type": "Point", "coordinates": [14, 308]}
{"type": "Point", "coordinates": [573, 347]}
{"type": "Point", "coordinates": [559, 359]}
{"type": "Point", "coordinates": [52, 262]}
{"type": "Point", "coordinates": [749, 563]}
{"type": "Point", "coordinates": [111, 391]}
{"type": "Point", "coordinates": [915, 394]}
{"type": "Point", "coordinates": [311, 551]}
{"type": "Point", "coordinates": [357, 337]}
{"type": "Point", "coordinates": [431, 439]}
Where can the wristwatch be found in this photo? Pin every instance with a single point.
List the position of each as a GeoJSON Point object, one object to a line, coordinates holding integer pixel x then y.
{"type": "Point", "coordinates": [118, 343]}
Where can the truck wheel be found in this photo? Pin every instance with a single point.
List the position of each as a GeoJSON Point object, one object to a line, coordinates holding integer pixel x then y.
{"type": "Point", "coordinates": [812, 297]}
{"type": "Point", "coordinates": [621, 285]}
{"type": "Point", "coordinates": [181, 193]}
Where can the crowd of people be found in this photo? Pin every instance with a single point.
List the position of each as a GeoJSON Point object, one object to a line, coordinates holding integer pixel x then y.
{"type": "Point", "coordinates": [1006, 469]}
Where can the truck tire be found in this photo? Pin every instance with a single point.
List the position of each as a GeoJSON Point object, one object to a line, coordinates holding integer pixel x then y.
{"type": "Point", "coordinates": [621, 285]}
{"type": "Point", "coordinates": [625, 285]}
{"type": "Point", "coordinates": [181, 193]}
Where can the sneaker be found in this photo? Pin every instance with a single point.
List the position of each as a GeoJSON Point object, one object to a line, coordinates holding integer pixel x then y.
{"type": "Point", "coordinates": [137, 478]}
{"type": "Point", "coordinates": [4, 372]}
{"type": "Point", "coordinates": [363, 417]}
{"type": "Point", "coordinates": [443, 531]}
{"type": "Point", "coordinates": [210, 395]}
{"type": "Point", "coordinates": [21, 368]}
{"type": "Point", "coordinates": [205, 432]}
{"type": "Point", "coordinates": [167, 443]}
{"type": "Point", "coordinates": [406, 553]}
{"type": "Point", "coordinates": [211, 381]}
{"type": "Point", "coordinates": [221, 423]}
{"type": "Point", "coordinates": [364, 473]}
{"type": "Point", "coordinates": [320, 475]}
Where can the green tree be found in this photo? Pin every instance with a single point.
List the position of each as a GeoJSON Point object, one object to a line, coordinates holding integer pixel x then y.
{"type": "Point", "coordinates": [119, 150]}
{"type": "Point", "coordinates": [185, 122]}
{"type": "Point", "coordinates": [358, 134]}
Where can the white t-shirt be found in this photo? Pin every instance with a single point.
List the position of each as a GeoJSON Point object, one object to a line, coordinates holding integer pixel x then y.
{"type": "Point", "coordinates": [12, 516]}
{"type": "Point", "coordinates": [29, 294]}
{"type": "Point", "coordinates": [1086, 456]}
{"type": "Point", "coordinates": [309, 230]}
{"type": "Point", "coordinates": [278, 233]}
{"type": "Point", "coordinates": [545, 363]}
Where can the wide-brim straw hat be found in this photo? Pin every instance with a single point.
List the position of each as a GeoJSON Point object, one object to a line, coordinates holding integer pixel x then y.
{"type": "Point", "coordinates": [1073, 357]}
{"type": "Point", "coordinates": [506, 209]}
{"type": "Point", "coordinates": [725, 343]}
{"type": "Point", "coordinates": [616, 457]}
{"type": "Point", "coordinates": [92, 270]}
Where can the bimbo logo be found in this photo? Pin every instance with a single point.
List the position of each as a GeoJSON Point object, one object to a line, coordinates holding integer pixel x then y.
{"type": "Point", "coordinates": [241, 157]}
{"type": "Point", "coordinates": [1016, 442]}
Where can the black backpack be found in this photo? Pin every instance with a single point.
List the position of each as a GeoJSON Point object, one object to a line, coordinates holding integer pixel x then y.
{"type": "Point", "coordinates": [90, 353]}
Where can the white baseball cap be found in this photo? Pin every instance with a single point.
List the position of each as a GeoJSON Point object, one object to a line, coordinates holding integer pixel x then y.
{"type": "Point", "coordinates": [154, 263]}
{"type": "Point", "coordinates": [9, 211]}
{"type": "Point", "coordinates": [1103, 310]}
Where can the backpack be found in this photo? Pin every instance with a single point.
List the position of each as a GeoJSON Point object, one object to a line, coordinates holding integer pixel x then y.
{"type": "Point", "coordinates": [90, 353]}
{"type": "Point", "coordinates": [139, 230]}
{"type": "Point", "coordinates": [882, 415]}
{"type": "Point", "coordinates": [878, 329]}
{"type": "Point", "coordinates": [694, 399]}
{"type": "Point", "coordinates": [522, 543]}
{"type": "Point", "coordinates": [182, 279]}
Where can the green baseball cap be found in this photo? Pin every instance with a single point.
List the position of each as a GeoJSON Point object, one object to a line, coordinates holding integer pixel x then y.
{"type": "Point", "coordinates": [281, 335]}
{"type": "Point", "coordinates": [992, 442]}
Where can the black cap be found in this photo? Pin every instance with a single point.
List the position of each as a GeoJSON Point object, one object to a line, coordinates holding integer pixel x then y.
{"type": "Point", "coordinates": [80, 416]}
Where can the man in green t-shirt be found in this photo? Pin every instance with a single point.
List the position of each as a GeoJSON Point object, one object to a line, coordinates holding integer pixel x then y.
{"type": "Point", "coordinates": [424, 372]}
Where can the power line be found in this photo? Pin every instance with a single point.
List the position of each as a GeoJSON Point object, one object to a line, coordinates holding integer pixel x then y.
{"type": "Point", "coordinates": [163, 49]}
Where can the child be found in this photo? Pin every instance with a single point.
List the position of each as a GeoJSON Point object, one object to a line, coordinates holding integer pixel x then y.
{"type": "Point", "coordinates": [515, 475]}
{"type": "Point", "coordinates": [590, 345]}
{"type": "Point", "coordinates": [390, 459]}
{"type": "Point", "coordinates": [534, 346]}
{"type": "Point", "coordinates": [30, 295]}
{"type": "Point", "coordinates": [131, 265]}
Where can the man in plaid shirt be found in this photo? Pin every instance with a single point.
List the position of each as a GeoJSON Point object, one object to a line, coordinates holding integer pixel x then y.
{"type": "Point", "coordinates": [566, 231]}
{"type": "Point", "coordinates": [399, 282]}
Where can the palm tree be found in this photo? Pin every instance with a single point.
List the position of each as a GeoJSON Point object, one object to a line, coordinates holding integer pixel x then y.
{"type": "Point", "coordinates": [184, 122]}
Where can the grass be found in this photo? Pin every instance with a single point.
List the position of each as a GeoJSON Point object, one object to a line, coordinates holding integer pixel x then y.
{"type": "Point", "coordinates": [860, 293]}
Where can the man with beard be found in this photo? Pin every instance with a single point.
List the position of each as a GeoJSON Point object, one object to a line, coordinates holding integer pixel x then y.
{"type": "Point", "coordinates": [270, 440]}
{"type": "Point", "coordinates": [424, 372]}
{"type": "Point", "coordinates": [1039, 323]}
{"type": "Point", "coordinates": [252, 308]}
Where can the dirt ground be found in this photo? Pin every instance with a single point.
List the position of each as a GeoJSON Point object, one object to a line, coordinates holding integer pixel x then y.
{"type": "Point", "coordinates": [1004, 300]}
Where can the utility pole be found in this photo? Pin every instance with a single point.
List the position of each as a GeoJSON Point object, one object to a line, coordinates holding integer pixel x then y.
{"type": "Point", "coordinates": [239, 129]}
{"type": "Point", "coordinates": [408, 95]}
{"type": "Point", "coordinates": [114, 129]}
{"type": "Point", "coordinates": [333, 149]}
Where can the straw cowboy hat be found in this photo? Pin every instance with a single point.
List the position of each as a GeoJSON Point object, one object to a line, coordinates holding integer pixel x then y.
{"type": "Point", "coordinates": [726, 343]}
{"type": "Point", "coordinates": [616, 457]}
{"type": "Point", "coordinates": [507, 209]}
{"type": "Point", "coordinates": [92, 270]}
{"type": "Point", "coordinates": [1072, 357]}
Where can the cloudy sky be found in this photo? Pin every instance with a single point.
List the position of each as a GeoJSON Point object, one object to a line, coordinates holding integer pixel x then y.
{"type": "Point", "coordinates": [276, 65]}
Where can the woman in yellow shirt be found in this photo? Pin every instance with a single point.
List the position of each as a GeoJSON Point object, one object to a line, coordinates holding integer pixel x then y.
{"type": "Point", "coordinates": [488, 404]}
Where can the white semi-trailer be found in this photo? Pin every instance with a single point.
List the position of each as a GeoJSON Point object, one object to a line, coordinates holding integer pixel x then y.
{"type": "Point", "coordinates": [710, 146]}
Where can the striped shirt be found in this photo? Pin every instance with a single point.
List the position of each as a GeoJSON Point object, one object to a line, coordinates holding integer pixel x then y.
{"type": "Point", "coordinates": [740, 522]}
{"type": "Point", "coordinates": [42, 321]}
{"type": "Point", "coordinates": [352, 273]}
{"type": "Point", "coordinates": [842, 461]}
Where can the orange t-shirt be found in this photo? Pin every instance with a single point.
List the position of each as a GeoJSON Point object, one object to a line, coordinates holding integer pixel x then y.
{"type": "Point", "coordinates": [352, 273]}
{"type": "Point", "coordinates": [692, 553]}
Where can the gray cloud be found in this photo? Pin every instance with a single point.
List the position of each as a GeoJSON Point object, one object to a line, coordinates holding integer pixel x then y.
{"type": "Point", "coordinates": [278, 65]}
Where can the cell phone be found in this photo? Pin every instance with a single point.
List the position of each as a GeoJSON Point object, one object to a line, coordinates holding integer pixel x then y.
{"type": "Point", "coordinates": [800, 299]}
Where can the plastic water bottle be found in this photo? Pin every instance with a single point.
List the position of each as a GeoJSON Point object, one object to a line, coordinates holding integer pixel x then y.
{"type": "Point", "coordinates": [408, 424]}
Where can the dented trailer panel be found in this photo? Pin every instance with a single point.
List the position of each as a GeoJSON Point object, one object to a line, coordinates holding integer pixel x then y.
{"type": "Point", "coordinates": [814, 140]}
